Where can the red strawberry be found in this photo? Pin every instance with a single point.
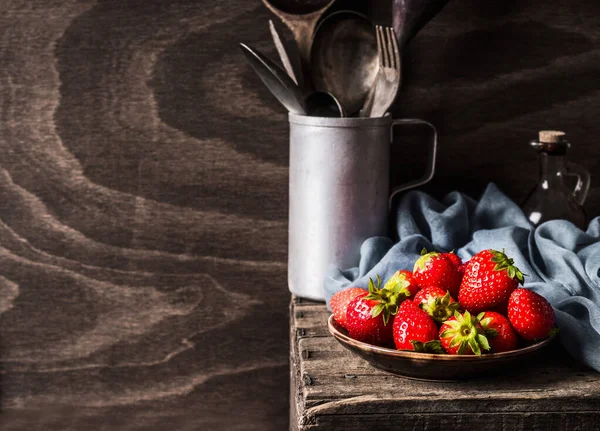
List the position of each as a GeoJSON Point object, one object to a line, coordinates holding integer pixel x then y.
{"type": "Point", "coordinates": [339, 303]}
{"type": "Point", "coordinates": [499, 332]}
{"type": "Point", "coordinates": [454, 259]}
{"type": "Point", "coordinates": [436, 302]}
{"type": "Point", "coordinates": [463, 335]}
{"type": "Point", "coordinates": [430, 292]}
{"type": "Point", "coordinates": [490, 277]}
{"type": "Point", "coordinates": [415, 330]}
{"type": "Point", "coordinates": [362, 325]}
{"type": "Point", "coordinates": [403, 276]}
{"type": "Point", "coordinates": [530, 314]}
{"type": "Point", "coordinates": [369, 316]}
{"type": "Point", "coordinates": [435, 269]}
{"type": "Point", "coordinates": [460, 266]}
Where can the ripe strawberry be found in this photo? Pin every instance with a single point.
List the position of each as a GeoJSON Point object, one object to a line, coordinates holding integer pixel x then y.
{"type": "Point", "coordinates": [369, 316]}
{"type": "Point", "coordinates": [435, 269]}
{"type": "Point", "coordinates": [339, 303]}
{"type": "Point", "coordinates": [530, 314]}
{"type": "Point", "coordinates": [499, 332]}
{"type": "Point", "coordinates": [490, 277]}
{"type": "Point", "coordinates": [403, 276]}
{"type": "Point", "coordinates": [436, 302]}
{"type": "Point", "coordinates": [415, 330]}
{"type": "Point", "coordinates": [430, 292]}
{"type": "Point", "coordinates": [454, 259]}
{"type": "Point", "coordinates": [458, 263]}
{"type": "Point", "coordinates": [463, 335]}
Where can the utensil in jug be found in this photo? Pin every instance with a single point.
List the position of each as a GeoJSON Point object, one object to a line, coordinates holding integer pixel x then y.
{"type": "Point", "coordinates": [410, 16]}
{"type": "Point", "coordinates": [288, 55]}
{"type": "Point", "coordinates": [552, 198]}
{"type": "Point", "coordinates": [295, 99]}
{"type": "Point", "coordinates": [323, 104]}
{"type": "Point", "coordinates": [301, 18]}
{"type": "Point", "coordinates": [344, 59]}
{"type": "Point", "coordinates": [387, 83]}
{"type": "Point", "coordinates": [276, 80]}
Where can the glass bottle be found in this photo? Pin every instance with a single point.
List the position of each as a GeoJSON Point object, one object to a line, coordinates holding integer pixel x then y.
{"type": "Point", "coordinates": [552, 198]}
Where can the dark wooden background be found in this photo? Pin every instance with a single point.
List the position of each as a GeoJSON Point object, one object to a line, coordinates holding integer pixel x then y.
{"type": "Point", "coordinates": [143, 191]}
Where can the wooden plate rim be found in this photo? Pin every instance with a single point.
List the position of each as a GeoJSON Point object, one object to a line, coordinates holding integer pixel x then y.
{"type": "Point", "coordinates": [332, 325]}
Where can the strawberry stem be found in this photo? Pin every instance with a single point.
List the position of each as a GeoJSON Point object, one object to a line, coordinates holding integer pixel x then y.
{"type": "Point", "coordinates": [440, 308]}
{"type": "Point", "coordinates": [389, 297]}
{"type": "Point", "coordinates": [503, 262]}
{"type": "Point", "coordinates": [421, 262]}
{"type": "Point", "coordinates": [433, 346]}
{"type": "Point", "coordinates": [466, 333]}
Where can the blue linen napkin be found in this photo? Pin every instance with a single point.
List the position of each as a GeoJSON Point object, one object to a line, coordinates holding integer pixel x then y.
{"type": "Point", "coordinates": [562, 261]}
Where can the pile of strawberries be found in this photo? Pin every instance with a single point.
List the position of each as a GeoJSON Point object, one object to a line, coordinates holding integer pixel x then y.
{"type": "Point", "coordinates": [447, 306]}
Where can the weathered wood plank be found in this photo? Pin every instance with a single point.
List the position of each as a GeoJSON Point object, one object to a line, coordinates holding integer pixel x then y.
{"type": "Point", "coordinates": [296, 397]}
{"type": "Point", "coordinates": [474, 421]}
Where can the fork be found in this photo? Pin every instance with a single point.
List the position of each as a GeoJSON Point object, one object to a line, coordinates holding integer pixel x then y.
{"type": "Point", "coordinates": [387, 82]}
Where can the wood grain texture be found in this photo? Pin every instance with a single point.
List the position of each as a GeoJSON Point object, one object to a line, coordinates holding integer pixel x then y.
{"type": "Point", "coordinates": [143, 191]}
{"type": "Point", "coordinates": [335, 389]}
{"type": "Point", "coordinates": [491, 75]}
{"type": "Point", "coordinates": [140, 229]}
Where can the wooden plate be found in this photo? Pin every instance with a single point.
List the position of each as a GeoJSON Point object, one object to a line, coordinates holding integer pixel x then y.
{"type": "Point", "coordinates": [428, 366]}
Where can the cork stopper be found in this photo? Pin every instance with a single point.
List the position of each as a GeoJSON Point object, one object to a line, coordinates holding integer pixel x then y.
{"type": "Point", "coordinates": [551, 142]}
{"type": "Point", "coordinates": [551, 136]}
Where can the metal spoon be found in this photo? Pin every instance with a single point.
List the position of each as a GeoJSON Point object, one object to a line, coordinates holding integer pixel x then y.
{"type": "Point", "coordinates": [276, 80]}
{"type": "Point", "coordinates": [293, 98]}
{"type": "Point", "coordinates": [344, 60]}
{"type": "Point", "coordinates": [323, 104]}
{"type": "Point", "coordinates": [317, 103]}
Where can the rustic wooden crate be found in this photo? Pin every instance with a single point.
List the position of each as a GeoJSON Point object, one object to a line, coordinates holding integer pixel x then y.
{"type": "Point", "coordinates": [335, 390]}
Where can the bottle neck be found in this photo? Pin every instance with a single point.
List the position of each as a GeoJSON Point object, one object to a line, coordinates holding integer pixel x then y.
{"type": "Point", "coordinates": [552, 168]}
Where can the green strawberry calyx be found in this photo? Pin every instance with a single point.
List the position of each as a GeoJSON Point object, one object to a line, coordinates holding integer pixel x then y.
{"type": "Point", "coordinates": [389, 297]}
{"type": "Point", "coordinates": [398, 284]}
{"type": "Point", "coordinates": [433, 346]}
{"type": "Point", "coordinates": [503, 262]}
{"type": "Point", "coordinates": [440, 308]}
{"type": "Point", "coordinates": [485, 323]}
{"type": "Point", "coordinates": [422, 262]}
{"type": "Point", "coordinates": [465, 332]}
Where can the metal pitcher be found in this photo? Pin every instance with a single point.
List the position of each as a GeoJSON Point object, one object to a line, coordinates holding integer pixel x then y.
{"type": "Point", "coordinates": [339, 192]}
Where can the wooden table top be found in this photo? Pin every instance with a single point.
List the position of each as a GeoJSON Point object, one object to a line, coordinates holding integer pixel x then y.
{"type": "Point", "coordinates": [333, 388]}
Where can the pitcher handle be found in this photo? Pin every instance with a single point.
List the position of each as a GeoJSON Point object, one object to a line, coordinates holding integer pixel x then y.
{"type": "Point", "coordinates": [583, 181]}
{"type": "Point", "coordinates": [431, 157]}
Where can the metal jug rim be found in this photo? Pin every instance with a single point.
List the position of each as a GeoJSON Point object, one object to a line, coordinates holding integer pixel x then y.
{"type": "Point", "coordinates": [348, 122]}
